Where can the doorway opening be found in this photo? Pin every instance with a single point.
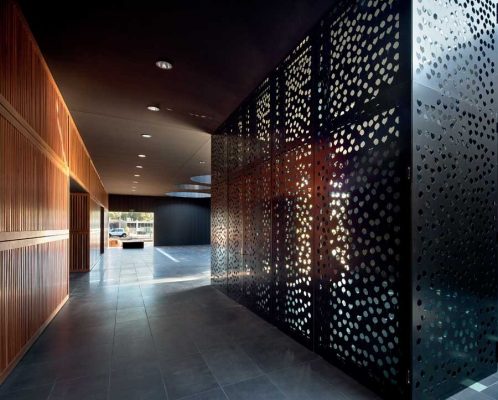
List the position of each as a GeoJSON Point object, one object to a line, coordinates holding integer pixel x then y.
{"type": "Point", "coordinates": [130, 226]}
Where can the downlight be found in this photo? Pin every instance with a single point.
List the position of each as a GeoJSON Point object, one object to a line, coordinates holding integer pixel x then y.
{"type": "Point", "coordinates": [192, 195]}
{"type": "Point", "coordinates": [189, 186]}
{"type": "Point", "coordinates": [204, 179]}
{"type": "Point", "coordinates": [164, 65]}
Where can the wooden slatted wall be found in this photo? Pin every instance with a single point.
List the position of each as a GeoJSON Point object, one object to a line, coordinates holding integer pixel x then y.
{"type": "Point", "coordinates": [39, 148]}
{"type": "Point", "coordinates": [79, 232]}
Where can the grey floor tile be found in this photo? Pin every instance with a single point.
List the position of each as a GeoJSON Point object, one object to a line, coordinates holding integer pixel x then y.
{"type": "Point", "coordinates": [30, 376]}
{"type": "Point", "coordinates": [132, 330]}
{"type": "Point", "coordinates": [142, 382]}
{"type": "Point", "coordinates": [214, 394]}
{"type": "Point", "coordinates": [133, 352]}
{"type": "Point", "coordinates": [231, 365]}
{"type": "Point", "coordinates": [277, 354]}
{"type": "Point", "coordinates": [490, 380]}
{"type": "Point", "coordinates": [35, 393]}
{"type": "Point", "coordinates": [470, 394]}
{"type": "Point", "coordinates": [94, 388]}
{"type": "Point", "coordinates": [301, 382]}
{"type": "Point", "coordinates": [131, 314]}
{"type": "Point", "coordinates": [187, 376]}
{"type": "Point", "coordinates": [260, 388]}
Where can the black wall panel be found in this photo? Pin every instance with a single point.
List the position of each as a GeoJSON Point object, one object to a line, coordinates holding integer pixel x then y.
{"type": "Point", "coordinates": [360, 200]}
{"type": "Point", "coordinates": [177, 221]}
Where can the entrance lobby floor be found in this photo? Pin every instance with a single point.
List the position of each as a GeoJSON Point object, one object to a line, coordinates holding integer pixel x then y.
{"type": "Point", "coordinates": [145, 324]}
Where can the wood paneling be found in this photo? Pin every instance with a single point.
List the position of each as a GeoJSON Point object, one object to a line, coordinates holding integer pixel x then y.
{"type": "Point", "coordinates": [26, 82]}
{"type": "Point", "coordinates": [79, 162]}
{"type": "Point", "coordinates": [34, 283]}
{"type": "Point", "coordinates": [27, 86]}
{"type": "Point", "coordinates": [79, 233]}
{"type": "Point", "coordinates": [33, 189]}
{"type": "Point", "coordinates": [85, 230]}
{"type": "Point", "coordinates": [96, 188]}
{"type": "Point", "coordinates": [39, 145]}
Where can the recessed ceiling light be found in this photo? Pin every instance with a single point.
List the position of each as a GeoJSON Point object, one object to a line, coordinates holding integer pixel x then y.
{"type": "Point", "coordinates": [202, 162]}
{"type": "Point", "coordinates": [153, 108]}
{"type": "Point", "coordinates": [142, 155]}
{"type": "Point", "coordinates": [189, 186]}
{"type": "Point", "coordinates": [193, 195]}
{"type": "Point", "coordinates": [166, 65]}
{"type": "Point", "coordinates": [135, 181]}
{"type": "Point", "coordinates": [195, 115]}
{"type": "Point", "coordinates": [146, 135]}
{"type": "Point", "coordinates": [136, 175]}
{"type": "Point", "coordinates": [133, 190]}
{"type": "Point", "coordinates": [169, 109]}
{"type": "Point", "coordinates": [139, 166]}
{"type": "Point", "coordinates": [204, 179]}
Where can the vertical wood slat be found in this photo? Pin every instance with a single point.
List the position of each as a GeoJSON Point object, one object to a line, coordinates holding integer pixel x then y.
{"type": "Point", "coordinates": [79, 232]}
{"type": "Point", "coordinates": [33, 190]}
{"type": "Point", "coordinates": [34, 282]}
{"type": "Point", "coordinates": [26, 82]}
{"type": "Point", "coordinates": [79, 161]}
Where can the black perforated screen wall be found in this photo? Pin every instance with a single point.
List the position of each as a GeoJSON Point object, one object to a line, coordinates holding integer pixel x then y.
{"type": "Point", "coordinates": [354, 205]}
{"type": "Point", "coordinates": [454, 266]}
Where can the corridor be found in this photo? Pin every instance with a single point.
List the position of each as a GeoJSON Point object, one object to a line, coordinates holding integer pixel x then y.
{"type": "Point", "coordinates": [145, 324]}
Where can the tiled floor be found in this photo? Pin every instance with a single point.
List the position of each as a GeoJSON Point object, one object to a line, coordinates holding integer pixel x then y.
{"type": "Point", "coordinates": [487, 389]}
{"type": "Point", "coordinates": [145, 324]}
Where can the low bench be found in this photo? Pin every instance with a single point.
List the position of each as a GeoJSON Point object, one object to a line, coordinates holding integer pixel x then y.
{"type": "Point", "coordinates": [133, 244]}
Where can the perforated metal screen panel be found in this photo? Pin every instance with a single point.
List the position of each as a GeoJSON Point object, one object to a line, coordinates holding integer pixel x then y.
{"type": "Point", "coordinates": [454, 264]}
{"type": "Point", "coordinates": [219, 212]}
{"type": "Point", "coordinates": [360, 231]}
{"type": "Point", "coordinates": [360, 202]}
{"type": "Point", "coordinates": [454, 256]}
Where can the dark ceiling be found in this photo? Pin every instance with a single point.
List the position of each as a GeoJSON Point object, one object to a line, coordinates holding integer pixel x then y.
{"type": "Point", "coordinates": [102, 56]}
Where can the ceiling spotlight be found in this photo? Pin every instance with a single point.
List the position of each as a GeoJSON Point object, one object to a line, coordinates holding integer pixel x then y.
{"type": "Point", "coordinates": [133, 190]}
{"type": "Point", "coordinates": [146, 135]}
{"type": "Point", "coordinates": [189, 186]}
{"type": "Point", "coordinates": [166, 65]}
{"type": "Point", "coordinates": [142, 156]}
{"type": "Point", "coordinates": [203, 179]}
{"type": "Point", "coordinates": [202, 162]}
{"type": "Point", "coordinates": [153, 108]}
{"type": "Point", "coordinates": [193, 195]}
{"type": "Point", "coordinates": [136, 175]}
{"type": "Point", "coordinates": [135, 181]}
{"type": "Point", "coordinates": [139, 166]}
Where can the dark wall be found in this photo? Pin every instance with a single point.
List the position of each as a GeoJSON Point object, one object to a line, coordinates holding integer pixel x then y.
{"type": "Point", "coordinates": [177, 221]}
